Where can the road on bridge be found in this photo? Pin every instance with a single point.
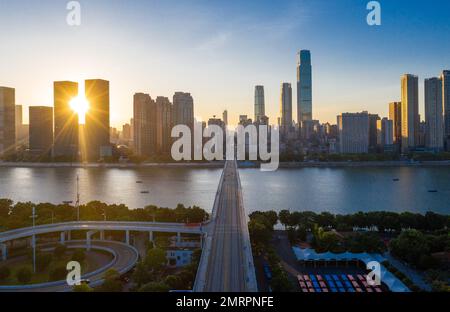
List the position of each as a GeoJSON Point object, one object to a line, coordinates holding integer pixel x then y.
{"type": "Point", "coordinates": [229, 265]}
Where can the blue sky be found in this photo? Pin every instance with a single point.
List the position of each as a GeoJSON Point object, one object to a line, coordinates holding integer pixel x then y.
{"type": "Point", "coordinates": [218, 51]}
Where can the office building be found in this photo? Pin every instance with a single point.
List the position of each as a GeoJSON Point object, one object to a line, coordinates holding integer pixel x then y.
{"type": "Point", "coordinates": [410, 112]}
{"type": "Point", "coordinates": [41, 130]}
{"type": "Point", "coordinates": [304, 86]}
{"type": "Point", "coordinates": [434, 115]}
{"type": "Point", "coordinates": [144, 119]}
{"type": "Point", "coordinates": [259, 102]}
{"type": "Point", "coordinates": [97, 132]}
{"type": "Point", "coordinates": [286, 108]}
{"type": "Point", "coordinates": [373, 120]}
{"type": "Point", "coordinates": [353, 129]}
{"type": "Point", "coordinates": [66, 120]}
{"type": "Point", "coordinates": [7, 120]}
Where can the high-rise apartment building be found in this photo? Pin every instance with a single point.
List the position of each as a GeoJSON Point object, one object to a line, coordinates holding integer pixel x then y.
{"type": "Point", "coordinates": [410, 112]}
{"type": "Point", "coordinates": [445, 77]}
{"type": "Point", "coordinates": [41, 130]}
{"type": "Point", "coordinates": [259, 103]}
{"type": "Point", "coordinates": [96, 129]}
{"type": "Point", "coordinates": [183, 109]}
{"type": "Point", "coordinates": [144, 120]}
{"type": "Point", "coordinates": [304, 86]}
{"type": "Point", "coordinates": [385, 133]}
{"type": "Point", "coordinates": [353, 131]}
{"type": "Point", "coordinates": [286, 108]}
{"type": "Point", "coordinates": [65, 119]}
{"type": "Point", "coordinates": [434, 127]}
{"type": "Point", "coordinates": [373, 120]}
{"type": "Point", "coordinates": [7, 120]}
{"type": "Point", "coordinates": [395, 114]}
{"type": "Point", "coordinates": [164, 125]}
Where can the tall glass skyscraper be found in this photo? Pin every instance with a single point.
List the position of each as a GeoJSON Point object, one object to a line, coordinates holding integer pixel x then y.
{"type": "Point", "coordinates": [433, 114]}
{"type": "Point", "coordinates": [304, 86]}
{"type": "Point", "coordinates": [286, 107]}
{"type": "Point", "coordinates": [410, 112]}
{"type": "Point", "coordinates": [259, 103]}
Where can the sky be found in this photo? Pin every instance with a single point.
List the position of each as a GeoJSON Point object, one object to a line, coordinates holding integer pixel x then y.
{"type": "Point", "coordinates": [219, 50]}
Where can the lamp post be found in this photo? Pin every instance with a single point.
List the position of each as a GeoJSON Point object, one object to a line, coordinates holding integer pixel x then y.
{"type": "Point", "coordinates": [33, 216]}
{"type": "Point", "coordinates": [77, 203]}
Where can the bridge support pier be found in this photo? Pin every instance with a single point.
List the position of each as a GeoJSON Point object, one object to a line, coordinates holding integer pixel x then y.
{"type": "Point", "coordinates": [127, 237]}
{"type": "Point", "coordinates": [102, 235]}
{"type": "Point", "coordinates": [150, 237]}
{"type": "Point", "coordinates": [88, 239]}
{"type": "Point", "coordinates": [63, 238]}
{"type": "Point", "coordinates": [178, 237]}
{"type": "Point", "coordinates": [69, 235]}
{"type": "Point", "coordinates": [4, 251]}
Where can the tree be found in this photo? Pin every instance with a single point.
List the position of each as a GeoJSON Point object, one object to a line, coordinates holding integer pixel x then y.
{"type": "Point", "coordinates": [57, 273]}
{"type": "Point", "coordinates": [43, 260]}
{"type": "Point", "coordinates": [284, 216]}
{"type": "Point", "coordinates": [111, 282]}
{"type": "Point", "coordinates": [155, 259]}
{"type": "Point", "coordinates": [60, 251]}
{"type": "Point", "coordinates": [83, 287]}
{"type": "Point", "coordinates": [409, 246]}
{"type": "Point", "coordinates": [23, 275]}
{"type": "Point", "coordinates": [155, 287]}
{"type": "Point", "coordinates": [174, 282]}
{"type": "Point", "coordinates": [259, 233]}
{"type": "Point", "coordinates": [5, 272]}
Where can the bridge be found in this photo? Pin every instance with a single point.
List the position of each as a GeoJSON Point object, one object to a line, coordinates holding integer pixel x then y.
{"type": "Point", "coordinates": [226, 264]}
{"type": "Point", "coordinates": [93, 227]}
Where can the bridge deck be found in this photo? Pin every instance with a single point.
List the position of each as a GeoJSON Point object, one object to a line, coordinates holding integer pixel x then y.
{"type": "Point", "coordinates": [228, 264]}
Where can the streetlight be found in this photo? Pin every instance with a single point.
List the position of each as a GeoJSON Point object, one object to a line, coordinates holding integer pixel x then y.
{"type": "Point", "coordinates": [77, 203]}
{"type": "Point", "coordinates": [33, 216]}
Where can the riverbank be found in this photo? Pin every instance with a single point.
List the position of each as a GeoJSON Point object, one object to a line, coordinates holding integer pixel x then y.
{"type": "Point", "coordinates": [220, 164]}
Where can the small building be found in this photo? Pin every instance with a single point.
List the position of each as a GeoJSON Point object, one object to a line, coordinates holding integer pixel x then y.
{"type": "Point", "coordinates": [178, 257]}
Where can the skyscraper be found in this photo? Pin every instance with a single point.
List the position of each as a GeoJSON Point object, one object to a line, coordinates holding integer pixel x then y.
{"type": "Point", "coordinates": [385, 133]}
{"type": "Point", "coordinates": [144, 120]}
{"type": "Point", "coordinates": [225, 117]}
{"type": "Point", "coordinates": [7, 120]}
{"type": "Point", "coordinates": [66, 120]}
{"type": "Point", "coordinates": [96, 129]}
{"type": "Point", "coordinates": [434, 129]}
{"type": "Point", "coordinates": [395, 114]}
{"type": "Point", "coordinates": [259, 102]}
{"type": "Point", "coordinates": [304, 86]}
{"type": "Point", "coordinates": [445, 77]}
{"type": "Point", "coordinates": [373, 119]}
{"type": "Point", "coordinates": [163, 125]}
{"type": "Point", "coordinates": [410, 112]}
{"type": "Point", "coordinates": [353, 131]}
{"type": "Point", "coordinates": [183, 109]}
{"type": "Point", "coordinates": [41, 130]}
{"type": "Point", "coordinates": [286, 107]}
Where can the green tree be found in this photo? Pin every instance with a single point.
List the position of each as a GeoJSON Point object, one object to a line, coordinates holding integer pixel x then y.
{"type": "Point", "coordinates": [155, 259]}
{"type": "Point", "coordinates": [60, 251]}
{"type": "Point", "coordinates": [5, 272]}
{"type": "Point", "coordinates": [111, 282]}
{"type": "Point", "coordinates": [57, 273]}
{"type": "Point", "coordinates": [79, 255]}
{"type": "Point", "coordinates": [155, 287]}
{"type": "Point", "coordinates": [43, 260]}
{"type": "Point", "coordinates": [83, 287]}
{"type": "Point", "coordinates": [409, 246]}
{"type": "Point", "coordinates": [23, 275]}
{"type": "Point", "coordinates": [174, 282]}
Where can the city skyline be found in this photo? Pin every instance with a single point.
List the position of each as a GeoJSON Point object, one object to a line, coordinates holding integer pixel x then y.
{"type": "Point", "coordinates": [185, 63]}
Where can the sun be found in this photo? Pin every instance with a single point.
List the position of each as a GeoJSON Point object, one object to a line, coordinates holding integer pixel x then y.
{"type": "Point", "coordinates": [80, 105]}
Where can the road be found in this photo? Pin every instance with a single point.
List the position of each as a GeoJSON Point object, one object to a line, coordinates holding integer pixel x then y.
{"type": "Point", "coordinates": [228, 267]}
{"type": "Point", "coordinates": [100, 225]}
{"type": "Point", "coordinates": [125, 258]}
